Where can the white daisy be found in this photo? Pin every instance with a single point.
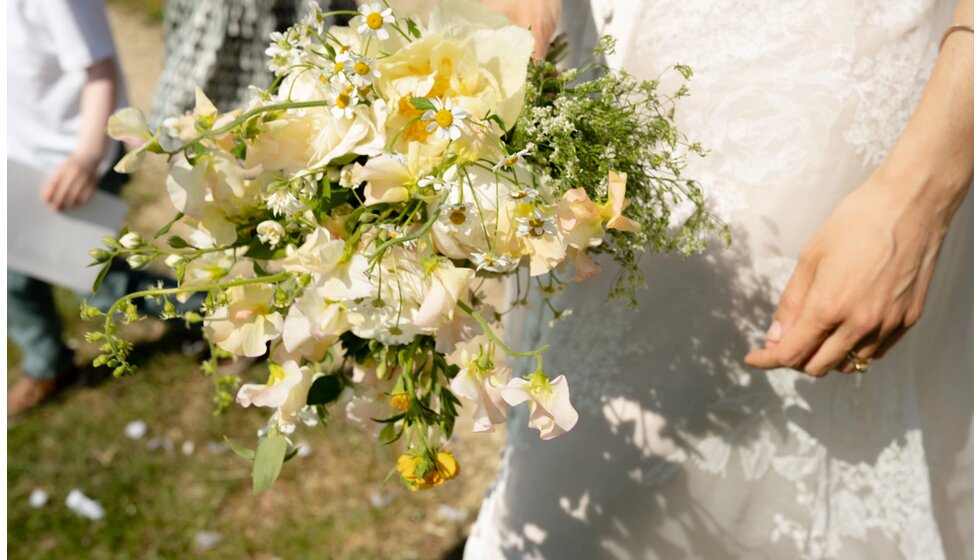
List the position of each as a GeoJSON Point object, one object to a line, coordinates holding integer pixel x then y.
{"type": "Point", "coordinates": [536, 225]}
{"type": "Point", "coordinates": [372, 20]}
{"type": "Point", "coordinates": [448, 179]}
{"type": "Point", "coordinates": [445, 120]}
{"type": "Point", "coordinates": [456, 215]}
{"type": "Point", "coordinates": [361, 71]}
{"type": "Point", "coordinates": [512, 159]}
{"type": "Point", "coordinates": [494, 263]}
{"type": "Point", "coordinates": [523, 195]}
{"type": "Point", "coordinates": [344, 98]}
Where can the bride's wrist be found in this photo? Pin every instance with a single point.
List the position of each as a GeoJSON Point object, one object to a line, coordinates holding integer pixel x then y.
{"type": "Point", "coordinates": [933, 186]}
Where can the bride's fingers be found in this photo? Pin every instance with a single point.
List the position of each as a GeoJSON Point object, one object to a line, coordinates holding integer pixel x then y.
{"type": "Point", "coordinates": [795, 347]}
{"type": "Point", "coordinates": [863, 352]}
{"type": "Point", "coordinates": [833, 352]}
{"type": "Point", "coordinates": [791, 302]}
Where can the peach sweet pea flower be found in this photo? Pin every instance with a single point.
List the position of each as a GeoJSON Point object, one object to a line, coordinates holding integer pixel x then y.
{"type": "Point", "coordinates": [581, 219]}
{"type": "Point", "coordinates": [551, 408]}
{"type": "Point", "coordinates": [247, 323]}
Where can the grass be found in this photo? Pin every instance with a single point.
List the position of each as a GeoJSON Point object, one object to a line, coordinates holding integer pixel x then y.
{"type": "Point", "coordinates": [156, 500]}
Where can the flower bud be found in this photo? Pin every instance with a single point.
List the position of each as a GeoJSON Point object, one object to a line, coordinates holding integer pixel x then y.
{"type": "Point", "coordinates": [173, 261]}
{"type": "Point", "coordinates": [100, 255]}
{"type": "Point", "coordinates": [137, 262]}
{"type": "Point", "coordinates": [131, 240]}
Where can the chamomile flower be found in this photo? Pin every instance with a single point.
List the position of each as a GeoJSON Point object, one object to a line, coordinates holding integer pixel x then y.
{"type": "Point", "coordinates": [448, 179]}
{"type": "Point", "coordinates": [456, 215]}
{"type": "Point", "coordinates": [445, 120]}
{"type": "Point", "coordinates": [388, 231]}
{"type": "Point", "coordinates": [361, 71]}
{"type": "Point", "coordinates": [523, 195]}
{"type": "Point", "coordinates": [372, 20]}
{"type": "Point", "coordinates": [535, 226]}
{"type": "Point", "coordinates": [283, 52]}
{"type": "Point", "coordinates": [512, 159]}
{"type": "Point", "coordinates": [344, 98]}
{"type": "Point", "coordinates": [494, 263]}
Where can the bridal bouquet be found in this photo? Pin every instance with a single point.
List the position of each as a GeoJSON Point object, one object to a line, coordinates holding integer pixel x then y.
{"type": "Point", "coordinates": [344, 222]}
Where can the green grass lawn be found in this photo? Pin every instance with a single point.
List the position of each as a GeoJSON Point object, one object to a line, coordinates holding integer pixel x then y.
{"type": "Point", "coordinates": [158, 499]}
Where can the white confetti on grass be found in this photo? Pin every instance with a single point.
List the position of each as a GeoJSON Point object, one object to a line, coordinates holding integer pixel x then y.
{"type": "Point", "coordinates": [206, 540]}
{"type": "Point", "coordinates": [135, 429]}
{"type": "Point", "coordinates": [38, 498]}
{"type": "Point", "coordinates": [83, 506]}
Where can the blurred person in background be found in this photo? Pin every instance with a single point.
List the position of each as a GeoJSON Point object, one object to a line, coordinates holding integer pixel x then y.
{"type": "Point", "coordinates": [63, 63]}
{"type": "Point", "coordinates": [220, 48]}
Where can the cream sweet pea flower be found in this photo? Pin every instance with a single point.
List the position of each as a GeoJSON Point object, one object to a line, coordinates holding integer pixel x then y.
{"type": "Point", "coordinates": [313, 324]}
{"type": "Point", "coordinates": [322, 255]}
{"type": "Point", "coordinates": [388, 178]}
{"type": "Point", "coordinates": [130, 127]}
{"type": "Point", "coordinates": [552, 413]}
{"type": "Point", "coordinates": [447, 285]}
{"type": "Point", "coordinates": [362, 134]}
{"type": "Point", "coordinates": [247, 323]}
{"type": "Point", "coordinates": [480, 64]}
{"type": "Point", "coordinates": [286, 390]}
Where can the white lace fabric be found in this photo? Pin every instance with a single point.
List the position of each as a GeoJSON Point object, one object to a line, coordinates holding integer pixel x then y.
{"type": "Point", "coordinates": [681, 451]}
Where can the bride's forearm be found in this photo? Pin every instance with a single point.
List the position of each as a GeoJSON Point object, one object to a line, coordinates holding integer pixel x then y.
{"type": "Point", "coordinates": [931, 166]}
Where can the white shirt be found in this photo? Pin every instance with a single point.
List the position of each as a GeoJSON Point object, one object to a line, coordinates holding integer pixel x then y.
{"type": "Point", "coordinates": [50, 44]}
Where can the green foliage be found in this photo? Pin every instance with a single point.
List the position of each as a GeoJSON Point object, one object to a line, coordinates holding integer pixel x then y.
{"type": "Point", "coordinates": [616, 122]}
{"type": "Point", "coordinates": [269, 457]}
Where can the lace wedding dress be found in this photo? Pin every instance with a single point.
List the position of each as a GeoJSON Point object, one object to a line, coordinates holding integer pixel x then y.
{"type": "Point", "coordinates": [681, 451]}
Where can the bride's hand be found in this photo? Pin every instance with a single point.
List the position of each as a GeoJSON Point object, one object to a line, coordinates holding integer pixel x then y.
{"type": "Point", "coordinates": [860, 283]}
{"type": "Point", "coordinates": [541, 16]}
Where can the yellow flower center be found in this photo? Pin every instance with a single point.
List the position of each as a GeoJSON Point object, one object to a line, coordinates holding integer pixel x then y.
{"type": "Point", "coordinates": [374, 20]}
{"type": "Point", "coordinates": [511, 160]}
{"type": "Point", "coordinates": [444, 118]}
{"type": "Point", "coordinates": [518, 195]}
{"type": "Point", "coordinates": [457, 217]}
{"type": "Point", "coordinates": [338, 66]}
{"type": "Point", "coordinates": [323, 80]}
{"type": "Point", "coordinates": [361, 68]}
{"type": "Point", "coordinates": [343, 100]}
{"type": "Point", "coordinates": [400, 402]}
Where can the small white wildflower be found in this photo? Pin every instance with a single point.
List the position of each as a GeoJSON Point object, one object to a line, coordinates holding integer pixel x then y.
{"type": "Point", "coordinates": [271, 233]}
{"type": "Point", "coordinates": [361, 71]}
{"type": "Point", "coordinates": [348, 177]}
{"type": "Point", "coordinates": [283, 53]}
{"type": "Point", "coordinates": [512, 159]}
{"type": "Point", "coordinates": [135, 429]}
{"type": "Point", "coordinates": [448, 179]}
{"type": "Point", "coordinates": [563, 314]}
{"type": "Point", "coordinates": [283, 203]}
{"type": "Point", "coordinates": [372, 20]}
{"type": "Point", "coordinates": [131, 240]}
{"type": "Point", "coordinates": [536, 225]}
{"type": "Point", "coordinates": [83, 506]}
{"type": "Point", "coordinates": [445, 120]}
{"type": "Point", "coordinates": [494, 263]}
{"type": "Point", "coordinates": [389, 231]}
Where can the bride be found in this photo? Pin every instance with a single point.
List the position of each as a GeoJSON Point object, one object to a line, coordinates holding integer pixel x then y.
{"type": "Point", "coordinates": [841, 140]}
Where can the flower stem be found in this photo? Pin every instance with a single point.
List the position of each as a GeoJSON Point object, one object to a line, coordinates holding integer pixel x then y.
{"type": "Point", "coordinates": [257, 111]}
{"type": "Point", "coordinates": [496, 340]}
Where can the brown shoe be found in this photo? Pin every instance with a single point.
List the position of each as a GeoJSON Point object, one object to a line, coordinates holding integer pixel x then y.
{"type": "Point", "coordinates": [28, 393]}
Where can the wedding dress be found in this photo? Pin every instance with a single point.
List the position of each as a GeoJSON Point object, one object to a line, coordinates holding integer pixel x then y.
{"type": "Point", "coordinates": [683, 452]}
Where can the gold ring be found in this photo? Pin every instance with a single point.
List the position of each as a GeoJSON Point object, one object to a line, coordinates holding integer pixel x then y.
{"type": "Point", "coordinates": [861, 365]}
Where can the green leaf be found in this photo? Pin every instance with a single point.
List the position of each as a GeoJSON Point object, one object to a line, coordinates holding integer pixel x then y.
{"type": "Point", "coordinates": [177, 242]}
{"type": "Point", "coordinates": [413, 29]}
{"type": "Point", "coordinates": [423, 104]}
{"type": "Point", "coordinates": [261, 251]}
{"type": "Point", "coordinates": [269, 457]}
{"type": "Point", "coordinates": [243, 452]}
{"type": "Point", "coordinates": [165, 229]}
{"type": "Point", "coordinates": [292, 453]}
{"type": "Point", "coordinates": [325, 390]}
{"type": "Point", "coordinates": [101, 276]}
